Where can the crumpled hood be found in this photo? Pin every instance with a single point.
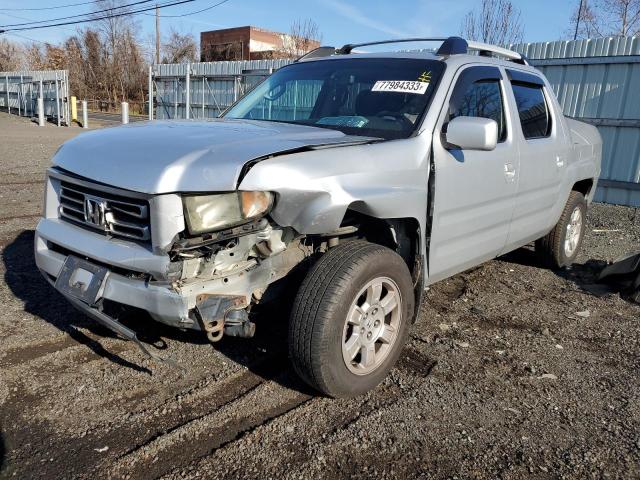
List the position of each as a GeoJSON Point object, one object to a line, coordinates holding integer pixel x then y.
{"type": "Point", "coordinates": [185, 156]}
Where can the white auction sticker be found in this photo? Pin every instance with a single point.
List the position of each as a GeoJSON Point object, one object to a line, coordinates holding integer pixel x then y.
{"type": "Point", "coordinates": [404, 86]}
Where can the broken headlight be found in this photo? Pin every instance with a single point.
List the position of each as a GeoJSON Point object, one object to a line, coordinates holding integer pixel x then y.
{"type": "Point", "coordinates": [206, 213]}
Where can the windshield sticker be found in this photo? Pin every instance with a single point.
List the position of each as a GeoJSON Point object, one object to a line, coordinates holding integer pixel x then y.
{"type": "Point", "coordinates": [425, 77]}
{"type": "Point", "coordinates": [403, 86]}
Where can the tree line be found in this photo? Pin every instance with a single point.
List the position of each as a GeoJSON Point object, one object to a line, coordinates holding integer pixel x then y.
{"type": "Point", "coordinates": [499, 22]}
{"type": "Point", "coordinates": [107, 60]}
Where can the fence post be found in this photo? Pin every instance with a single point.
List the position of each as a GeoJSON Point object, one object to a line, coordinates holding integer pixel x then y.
{"type": "Point", "coordinates": [150, 93]}
{"type": "Point", "coordinates": [41, 108]}
{"type": "Point", "coordinates": [57, 100]}
{"type": "Point", "coordinates": [176, 82]}
{"type": "Point", "coordinates": [74, 109]}
{"type": "Point", "coordinates": [204, 81]}
{"type": "Point", "coordinates": [188, 95]}
{"type": "Point", "coordinates": [40, 112]}
{"type": "Point", "coordinates": [6, 79]}
{"type": "Point", "coordinates": [85, 115]}
{"type": "Point", "coordinates": [124, 106]}
{"type": "Point", "coordinates": [20, 97]}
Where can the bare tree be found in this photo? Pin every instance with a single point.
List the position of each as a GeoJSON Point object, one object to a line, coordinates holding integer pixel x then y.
{"type": "Point", "coordinates": [603, 18]}
{"type": "Point", "coordinates": [11, 55]}
{"type": "Point", "coordinates": [584, 22]}
{"type": "Point", "coordinates": [619, 17]}
{"type": "Point", "coordinates": [303, 36]}
{"type": "Point", "coordinates": [496, 21]}
{"type": "Point", "coordinates": [180, 48]}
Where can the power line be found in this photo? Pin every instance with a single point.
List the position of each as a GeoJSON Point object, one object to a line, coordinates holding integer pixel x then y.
{"type": "Point", "coordinates": [28, 38]}
{"type": "Point", "coordinates": [95, 19]}
{"type": "Point", "coordinates": [48, 8]}
{"type": "Point", "coordinates": [187, 14]}
{"type": "Point", "coordinates": [76, 16]}
{"type": "Point", "coordinates": [25, 18]}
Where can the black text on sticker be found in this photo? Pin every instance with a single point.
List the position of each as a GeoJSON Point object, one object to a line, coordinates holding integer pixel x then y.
{"type": "Point", "coordinates": [404, 86]}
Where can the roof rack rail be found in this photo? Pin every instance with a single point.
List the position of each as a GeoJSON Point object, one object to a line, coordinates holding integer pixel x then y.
{"type": "Point", "coordinates": [485, 49]}
{"type": "Point", "coordinates": [318, 53]}
{"type": "Point", "coordinates": [450, 46]}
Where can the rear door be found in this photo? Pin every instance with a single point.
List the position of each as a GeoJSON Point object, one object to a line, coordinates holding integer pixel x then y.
{"type": "Point", "coordinates": [475, 190]}
{"type": "Point", "coordinates": [543, 158]}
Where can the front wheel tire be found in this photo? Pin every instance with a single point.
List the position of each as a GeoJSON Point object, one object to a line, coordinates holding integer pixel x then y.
{"type": "Point", "coordinates": [350, 318]}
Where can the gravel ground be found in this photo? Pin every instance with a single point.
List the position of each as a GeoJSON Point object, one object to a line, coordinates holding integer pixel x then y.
{"type": "Point", "coordinates": [511, 371]}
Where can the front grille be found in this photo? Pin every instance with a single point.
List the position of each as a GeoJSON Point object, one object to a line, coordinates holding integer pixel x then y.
{"type": "Point", "coordinates": [110, 214]}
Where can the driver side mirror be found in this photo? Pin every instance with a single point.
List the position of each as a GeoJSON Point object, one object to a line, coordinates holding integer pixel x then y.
{"type": "Point", "coordinates": [472, 133]}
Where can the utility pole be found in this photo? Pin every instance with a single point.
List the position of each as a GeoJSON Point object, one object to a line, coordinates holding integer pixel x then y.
{"type": "Point", "coordinates": [575, 35]}
{"type": "Point", "coordinates": [157, 34]}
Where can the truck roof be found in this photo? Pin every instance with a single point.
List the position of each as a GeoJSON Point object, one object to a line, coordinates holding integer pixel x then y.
{"type": "Point", "coordinates": [453, 50]}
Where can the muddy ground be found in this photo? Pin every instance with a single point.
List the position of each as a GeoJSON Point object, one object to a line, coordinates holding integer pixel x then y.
{"type": "Point", "coordinates": [511, 371]}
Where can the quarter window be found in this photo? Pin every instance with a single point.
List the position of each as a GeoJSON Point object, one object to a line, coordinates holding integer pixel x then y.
{"type": "Point", "coordinates": [483, 99]}
{"type": "Point", "coordinates": [533, 111]}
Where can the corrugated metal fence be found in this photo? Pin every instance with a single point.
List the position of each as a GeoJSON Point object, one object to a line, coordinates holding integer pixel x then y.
{"type": "Point", "coordinates": [19, 92]}
{"type": "Point", "coordinates": [597, 81]}
{"type": "Point", "coordinates": [204, 90]}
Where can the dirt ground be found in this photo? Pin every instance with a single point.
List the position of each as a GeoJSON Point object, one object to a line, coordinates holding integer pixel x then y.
{"type": "Point", "coordinates": [511, 371]}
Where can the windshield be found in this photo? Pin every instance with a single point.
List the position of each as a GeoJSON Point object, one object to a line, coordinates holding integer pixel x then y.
{"type": "Point", "coordinates": [372, 97]}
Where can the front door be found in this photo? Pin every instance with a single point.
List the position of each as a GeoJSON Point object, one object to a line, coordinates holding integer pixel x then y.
{"type": "Point", "coordinates": [475, 190]}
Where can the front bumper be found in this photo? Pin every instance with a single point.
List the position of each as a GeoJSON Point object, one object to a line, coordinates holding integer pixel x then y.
{"type": "Point", "coordinates": [161, 301]}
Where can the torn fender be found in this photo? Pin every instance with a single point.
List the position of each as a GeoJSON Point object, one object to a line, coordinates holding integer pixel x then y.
{"type": "Point", "coordinates": [315, 188]}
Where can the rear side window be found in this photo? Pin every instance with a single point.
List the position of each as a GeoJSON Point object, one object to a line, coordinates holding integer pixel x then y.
{"type": "Point", "coordinates": [533, 111]}
{"type": "Point", "coordinates": [483, 99]}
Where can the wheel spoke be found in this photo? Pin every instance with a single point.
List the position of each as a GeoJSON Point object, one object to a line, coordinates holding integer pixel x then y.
{"type": "Point", "coordinates": [374, 292]}
{"type": "Point", "coordinates": [387, 334]}
{"type": "Point", "coordinates": [356, 316]}
{"type": "Point", "coordinates": [352, 347]}
{"type": "Point", "coordinates": [389, 303]}
{"type": "Point", "coordinates": [367, 355]}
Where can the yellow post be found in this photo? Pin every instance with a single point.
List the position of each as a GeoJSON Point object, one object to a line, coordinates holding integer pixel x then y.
{"type": "Point", "coordinates": [74, 110]}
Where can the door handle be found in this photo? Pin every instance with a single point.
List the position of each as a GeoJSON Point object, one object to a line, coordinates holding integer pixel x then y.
{"type": "Point", "coordinates": [509, 172]}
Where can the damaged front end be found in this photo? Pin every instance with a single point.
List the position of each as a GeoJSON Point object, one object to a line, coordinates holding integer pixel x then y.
{"type": "Point", "coordinates": [229, 272]}
{"type": "Point", "coordinates": [181, 271]}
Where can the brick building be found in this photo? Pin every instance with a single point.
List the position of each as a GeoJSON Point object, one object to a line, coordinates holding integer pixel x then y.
{"type": "Point", "coordinates": [244, 43]}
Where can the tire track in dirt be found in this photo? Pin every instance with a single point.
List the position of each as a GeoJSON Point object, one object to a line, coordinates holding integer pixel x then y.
{"type": "Point", "coordinates": [32, 351]}
{"type": "Point", "coordinates": [241, 457]}
{"type": "Point", "coordinates": [124, 435]}
{"type": "Point", "coordinates": [199, 437]}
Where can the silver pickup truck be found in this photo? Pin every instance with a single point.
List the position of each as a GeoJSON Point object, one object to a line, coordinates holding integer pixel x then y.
{"type": "Point", "coordinates": [375, 174]}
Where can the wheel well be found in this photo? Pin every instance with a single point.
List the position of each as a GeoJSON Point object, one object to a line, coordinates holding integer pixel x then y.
{"type": "Point", "coordinates": [583, 186]}
{"type": "Point", "coordinates": [399, 234]}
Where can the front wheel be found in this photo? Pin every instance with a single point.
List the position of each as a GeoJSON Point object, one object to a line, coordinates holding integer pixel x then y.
{"type": "Point", "coordinates": [350, 318]}
{"type": "Point", "coordinates": [560, 247]}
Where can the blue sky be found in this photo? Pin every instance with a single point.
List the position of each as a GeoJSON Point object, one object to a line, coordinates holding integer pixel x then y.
{"type": "Point", "coordinates": [340, 21]}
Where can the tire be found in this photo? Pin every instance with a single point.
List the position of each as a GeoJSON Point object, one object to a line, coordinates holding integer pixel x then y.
{"type": "Point", "coordinates": [342, 280]}
{"type": "Point", "coordinates": [557, 249]}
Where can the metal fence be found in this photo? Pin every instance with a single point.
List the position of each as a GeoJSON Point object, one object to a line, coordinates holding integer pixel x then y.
{"type": "Point", "coordinates": [596, 81]}
{"type": "Point", "coordinates": [204, 90]}
{"type": "Point", "coordinates": [19, 92]}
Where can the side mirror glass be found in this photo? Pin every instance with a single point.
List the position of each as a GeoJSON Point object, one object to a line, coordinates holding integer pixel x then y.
{"type": "Point", "coordinates": [472, 133]}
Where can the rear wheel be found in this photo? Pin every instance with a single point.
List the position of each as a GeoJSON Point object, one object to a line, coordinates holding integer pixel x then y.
{"type": "Point", "coordinates": [560, 247]}
{"type": "Point", "coordinates": [350, 318]}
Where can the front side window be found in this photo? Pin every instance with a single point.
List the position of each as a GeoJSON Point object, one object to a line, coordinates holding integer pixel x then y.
{"type": "Point", "coordinates": [532, 109]}
{"type": "Point", "coordinates": [376, 97]}
{"type": "Point", "coordinates": [482, 98]}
